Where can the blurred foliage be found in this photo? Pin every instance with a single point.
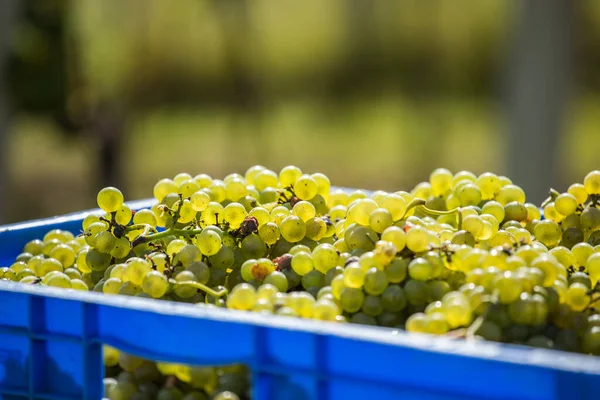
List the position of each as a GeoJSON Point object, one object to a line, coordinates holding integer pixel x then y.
{"type": "Point", "coordinates": [374, 94]}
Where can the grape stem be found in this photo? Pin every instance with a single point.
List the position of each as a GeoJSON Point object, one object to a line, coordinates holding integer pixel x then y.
{"type": "Point", "coordinates": [421, 203]}
{"type": "Point", "coordinates": [160, 235]}
{"type": "Point", "coordinates": [200, 286]}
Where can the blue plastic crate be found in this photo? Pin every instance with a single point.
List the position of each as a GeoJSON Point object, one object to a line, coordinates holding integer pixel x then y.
{"type": "Point", "coordinates": [51, 341]}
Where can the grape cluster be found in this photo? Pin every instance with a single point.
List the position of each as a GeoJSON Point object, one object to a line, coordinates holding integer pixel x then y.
{"type": "Point", "coordinates": [460, 255]}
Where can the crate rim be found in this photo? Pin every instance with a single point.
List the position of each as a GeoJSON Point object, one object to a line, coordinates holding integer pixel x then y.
{"type": "Point", "coordinates": [514, 354]}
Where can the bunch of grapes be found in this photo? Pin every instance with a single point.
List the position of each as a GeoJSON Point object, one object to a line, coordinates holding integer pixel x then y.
{"type": "Point", "coordinates": [460, 255]}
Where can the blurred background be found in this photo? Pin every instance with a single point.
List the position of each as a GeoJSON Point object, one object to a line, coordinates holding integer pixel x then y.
{"type": "Point", "coordinates": [373, 94]}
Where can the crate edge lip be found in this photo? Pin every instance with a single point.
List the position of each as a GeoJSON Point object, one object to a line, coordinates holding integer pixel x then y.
{"type": "Point", "coordinates": [548, 359]}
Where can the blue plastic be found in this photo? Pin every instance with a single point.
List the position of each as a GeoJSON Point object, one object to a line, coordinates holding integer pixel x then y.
{"type": "Point", "coordinates": [50, 348]}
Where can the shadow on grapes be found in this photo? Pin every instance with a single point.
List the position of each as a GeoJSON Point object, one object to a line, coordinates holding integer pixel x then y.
{"type": "Point", "coordinates": [15, 377]}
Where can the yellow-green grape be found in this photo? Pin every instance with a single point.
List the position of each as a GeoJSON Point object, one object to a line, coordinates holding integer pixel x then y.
{"type": "Point", "coordinates": [261, 214]}
{"type": "Point", "coordinates": [375, 281]}
{"type": "Point", "coordinates": [495, 209]}
{"type": "Point", "coordinates": [209, 242]}
{"type": "Point", "coordinates": [48, 265]}
{"type": "Point", "coordinates": [474, 224]}
{"type": "Point", "coordinates": [292, 229]}
{"type": "Point", "coordinates": [463, 176]}
{"type": "Point", "coordinates": [337, 213]}
{"type": "Point", "coordinates": [593, 267]}
{"type": "Point", "coordinates": [235, 189]}
{"type": "Point", "coordinates": [112, 286]}
{"type": "Point", "coordinates": [325, 257]}
{"type": "Point", "coordinates": [563, 256]}
{"type": "Point", "coordinates": [302, 263]}
{"type": "Point", "coordinates": [104, 241]}
{"type": "Point", "coordinates": [338, 198]}
{"type": "Point", "coordinates": [492, 221]}
{"type": "Point", "coordinates": [549, 266]}
{"type": "Point", "coordinates": [357, 194]}
{"type": "Point", "coordinates": [59, 234]}
{"type": "Point", "coordinates": [49, 245]}
{"type": "Point", "coordinates": [304, 210]}
{"type": "Point", "coordinates": [306, 187]}
{"type": "Point", "coordinates": [234, 214]}
{"type": "Point", "coordinates": [422, 190]}
{"type": "Point", "coordinates": [162, 217]}
{"type": "Point", "coordinates": [118, 271]}
{"type": "Point", "coordinates": [155, 284]}
{"type": "Point", "coordinates": [579, 192]}
{"type": "Point", "coordinates": [380, 219]}
{"type": "Point", "coordinates": [145, 217]}
{"type": "Point", "coordinates": [396, 236]}
{"type": "Point", "coordinates": [315, 229]}
{"type": "Point", "coordinates": [175, 247]}
{"type": "Point", "coordinates": [78, 284]}
{"type": "Point", "coordinates": [551, 213]}
{"type": "Point", "coordinates": [137, 268]}
{"type": "Point", "coordinates": [110, 199]}
{"type": "Point", "coordinates": [186, 213]}
{"type": "Point", "coordinates": [181, 177]}
{"type": "Point", "coordinates": [242, 297]}
{"type": "Point", "coordinates": [548, 232]}
{"type": "Point", "coordinates": [217, 190]}
{"type": "Point", "coordinates": [203, 180]}
{"type": "Point", "coordinates": [577, 296]}
{"type": "Point", "coordinates": [199, 200]}
{"type": "Point", "coordinates": [457, 309]}
{"type": "Point", "coordinates": [269, 233]}
{"type": "Point", "coordinates": [187, 255]}
{"type": "Point", "coordinates": [468, 194]}
{"type": "Point", "coordinates": [360, 211]}
{"type": "Point", "coordinates": [164, 187]}
{"type": "Point", "coordinates": [64, 254]}
{"type": "Point", "coordinates": [354, 275]}
{"type": "Point", "coordinates": [211, 214]}
{"type": "Point", "coordinates": [81, 264]}
{"type": "Point", "coordinates": [565, 204]}
{"type": "Point", "coordinates": [59, 280]}
{"type": "Point", "coordinates": [266, 179]}
{"type": "Point", "coordinates": [34, 247]}
{"type": "Point", "coordinates": [110, 356]}
{"type": "Point", "coordinates": [417, 323]}
{"type": "Point", "coordinates": [441, 181]}
{"type": "Point", "coordinates": [533, 213]}
{"type": "Point", "coordinates": [417, 239]}
{"type": "Point", "coordinates": [92, 230]}
{"type": "Point", "coordinates": [395, 204]}
{"type": "Point", "coordinates": [581, 252]}
{"type": "Point", "coordinates": [509, 193]}
{"type": "Point", "coordinates": [325, 310]}
{"type": "Point", "coordinates": [490, 185]}
{"type": "Point", "coordinates": [277, 279]}
{"type": "Point", "coordinates": [591, 182]}
{"type": "Point", "coordinates": [289, 175]}
{"type": "Point", "coordinates": [122, 215]}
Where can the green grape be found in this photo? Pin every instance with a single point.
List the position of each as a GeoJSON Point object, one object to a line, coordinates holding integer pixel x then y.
{"type": "Point", "coordinates": [269, 233]}
{"type": "Point", "coordinates": [351, 299]}
{"type": "Point", "coordinates": [509, 193]}
{"type": "Point", "coordinates": [522, 311]}
{"type": "Point", "coordinates": [164, 187]}
{"type": "Point", "coordinates": [184, 291]}
{"type": "Point", "coordinates": [441, 181]}
{"type": "Point", "coordinates": [590, 218]}
{"type": "Point", "coordinates": [360, 237]}
{"type": "Point", "coordinates": [96, 260]}
{"type": "Point", "coordinates": [305, 187]}
{"type": "Point", "coordinates": [380, 219]}
{"type": "Point", "coordinates": [200, 271]}
{"type": "Point", "coordinates": [110, 199]}
{"type": "Point", "coordinates": [395, 204]}
{"type": "Point", "coordinates": [515, 211]}
{"type": "Point", "coordinates": [325, 310]}
{"type": "Point", "coordinates": [495, 209]}
{"type": "Point", "coordinates": [118, 271]}
{"type": "Point", "coordinates": [72, 273]}
{"type": "Point", "coordinates": [209, 242]}
{"type": "Point", "coordinates": [292, 229]}
{"type": "Point", "coordinates": [416, 292]}
{"type": "Point", "coordinates": [468, 194]}
{"type": "Point", "coordinates": [59, 280]}
{"type": "Point", "coordinates": [137, 268]}
{"type": "Point", "coordinates": [265, 179]}
{"type": "Point", "coordinates": [566, 204]}
{"type": "Point", "coordinates": [548, 232]}
{"type": "Point", "coordinates": [121, 248]}
{"type": "Point", "coordinates": [354, 276]}
{"type": "Point", "coordinates": [59, 234]}
{"type": "Point", "coordinates": [360, 211]}
{"type": "Point", "coordinates": [509, 287]}
{"type": "Point", "coordinates": [417, 239]}
{"type": "Point", "coordinates": [396, 236]}
{"type": "Point", "coordinates": [591, 341]}
{"type": "Point", "coordinates": [393, 299]}
{"type": "Point", "coordinates": [224, 259]}
{"type": "Point", "coordinates": [186, 212]}
{"type": "Point", "coordinates": [397, 270]}
{"type": "Point", "coordinates": [325, 257]}
{"type": "Point", "coordinates": [489, 184]}
{"type": "Point", "coordinates": [420, 269]}
{"type": "Point", "coordinates": [375, 281]}
{"type": "Point", "coordinates": [277, 279]}
{"type": "Point", "coordinates": [591, 182]}
{"type": "Point", "coordinates": [289, 175]}
{"type": "Point", "coordinates": [234, 214]}
{"type": "Point", "coordinates": [253, 246]}
{"type": "Point", "coordinates": [577, 297]}
{"type": "Point", "coordinates": [235, 189]}
{"type": "Point", "coordinates": [112, 286]}
{"type": "Point", "coordinates": [92, 230]}
{"type": "Point", "coordinates": [372, 306]}
{"type": "Point", "coordinates": [302, 263]}
{"type": "Point", "coordinates": [579, 192]}
{"type": "Point", "coordinates": [581, 252]}
{"type": "Point", "coordinates": [323, 184]}
{"type": "Point", "coordinates": [104, 242]}
{"type": "Point", "coordinates": [304, 210]}
{"type": "Point", "coordinates": [34, 247]}
{"type": "Point", "coordinates": [155, 284]}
